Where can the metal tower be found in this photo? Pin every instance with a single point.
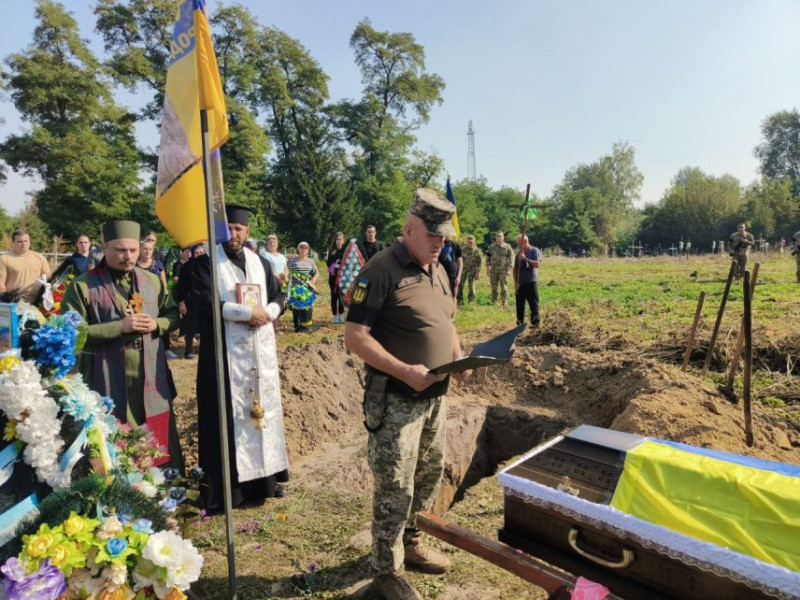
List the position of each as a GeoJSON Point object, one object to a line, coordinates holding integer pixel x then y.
{"type": "Point", "coordinates": [471, 173]}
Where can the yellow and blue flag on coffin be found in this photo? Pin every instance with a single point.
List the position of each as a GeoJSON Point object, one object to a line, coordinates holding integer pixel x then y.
{"type": "Point", "coordinates": [452, 198]}
{"type": "Point", "coordinates": [193, 84]}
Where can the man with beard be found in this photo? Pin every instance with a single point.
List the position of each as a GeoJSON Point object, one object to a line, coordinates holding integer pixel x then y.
{"type": "Point", "coordinates": [256, 443]}
{"type": "Point", "coordinates": [128, 311]}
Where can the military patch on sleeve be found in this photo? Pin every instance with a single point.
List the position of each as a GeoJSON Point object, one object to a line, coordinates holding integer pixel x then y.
{"type": "Point", "coordinates": [360, 291]}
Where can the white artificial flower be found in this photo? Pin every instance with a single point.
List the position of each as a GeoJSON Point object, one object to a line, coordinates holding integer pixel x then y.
{"type": "Point", "coordinates": [81, 583]}
{"type": "Point", "coordinates": [158, 475]}
{"type": "Point", "coordinates": [188, 568]}
{"type": "Point", "coordinates": [146, 488]}
{"type": "Point", "coordinates": [115, 576]}
{"type": "Point", "coordinates": [162, 549]}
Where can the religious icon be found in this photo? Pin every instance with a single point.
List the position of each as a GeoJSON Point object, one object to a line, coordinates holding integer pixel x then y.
{"type": "Point", "coordinates": [248, 294]}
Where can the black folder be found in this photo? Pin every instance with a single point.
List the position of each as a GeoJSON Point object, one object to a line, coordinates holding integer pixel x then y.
{"type": "Point", "coordinates": [496, 351]}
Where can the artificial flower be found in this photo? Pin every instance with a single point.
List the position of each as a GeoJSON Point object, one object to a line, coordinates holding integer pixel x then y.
{"type": "Point", "coordinates": [46, 583]}
{"type": "Point", "coordinates": [10, 431]}
{"type": "Point", "coordinates": [175, 594]}
{"type": "Point", "coordinates": [8, 362]}
{"type": "Point", "coordinates": [66, 555]}
{"type": "Point", "coordinates": [119, 593]}
{"type": "Point", "coordinates": [111, 527]}
{"type": "Point", "coordinates": [13, 569]}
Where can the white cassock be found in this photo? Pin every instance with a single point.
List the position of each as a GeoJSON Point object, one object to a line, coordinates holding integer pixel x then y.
{"type": "Point", "coordinates": [253, 363]}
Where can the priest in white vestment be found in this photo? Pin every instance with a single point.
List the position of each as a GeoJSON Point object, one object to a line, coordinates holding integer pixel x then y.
{"type": "Point", "coordinates": [251, 300]}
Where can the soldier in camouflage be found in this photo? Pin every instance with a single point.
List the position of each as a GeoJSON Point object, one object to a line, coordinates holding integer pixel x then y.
{"type": "Point", "coordinates": [404, 402]}
{"type": "Point", "coordinates": [739, 245]}
{"type": "Point", "coordinates": [499, 260]}
{"type": "Point", "coordinates": [472, 269]}
{"type": "Point", "coordinates": [796, 253]}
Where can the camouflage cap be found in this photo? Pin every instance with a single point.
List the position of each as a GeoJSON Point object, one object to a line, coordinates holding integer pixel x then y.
{"type": "Point", "coordinates": [434, 210]}
{"type": "Point", "coordinates": [470, 238]}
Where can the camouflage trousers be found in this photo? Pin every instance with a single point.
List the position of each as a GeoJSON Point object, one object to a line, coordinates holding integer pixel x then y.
{"type": "Point", "coordinates": [469, 281]}
{"type": "Point", "coordinates": [406, 454]}
{"type": "Point", "coordinates": [741, 265]}
{"type": "Point", "coordinates": [495, 279]}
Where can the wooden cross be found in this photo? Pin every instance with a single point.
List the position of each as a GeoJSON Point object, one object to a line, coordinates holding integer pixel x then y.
{"type": "Point", "coordinates": [135, 304]}
{"type": "Point", "coordinates": [634, 248]}
{"type": "Point", "coordinates": [672, 249]}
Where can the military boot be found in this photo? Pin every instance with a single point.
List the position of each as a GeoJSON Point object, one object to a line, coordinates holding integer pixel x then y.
{"type": "Point", "coordinates": [424, 558]}
{"type": "Point", "coordinates": [394, 586]}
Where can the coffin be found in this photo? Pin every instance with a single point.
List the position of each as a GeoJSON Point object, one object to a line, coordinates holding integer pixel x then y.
{"type": "Point", "coordinates": [651, 519]}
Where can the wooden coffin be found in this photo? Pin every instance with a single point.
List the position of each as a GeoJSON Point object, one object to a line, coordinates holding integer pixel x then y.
{"type": "Point", "coordinates": [556, 508]}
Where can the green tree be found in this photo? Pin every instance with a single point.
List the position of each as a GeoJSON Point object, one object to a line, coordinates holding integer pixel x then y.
{"type": "Point", "coordinates": [398, 96]}
{"type": "Point", "coordinates": [697, 207]}
{"type": "Point", "coordinates": [779, 153]}
{"type": "Point", "coordinates": [617, 181]}
{"type": "Point", "coordinates": [310, 195]}
{"type": "Point", "coordinates": [29, 220]}
{"type": "Point", "coordinates": [137, 35]}
{"type": "Point", "coordinates": [770, 209]}
{"type": "Point", "coordinates": [80, 144]}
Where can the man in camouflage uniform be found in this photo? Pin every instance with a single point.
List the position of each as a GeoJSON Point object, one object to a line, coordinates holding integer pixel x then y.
{"type": "Point", "coordinates": [472, 269]}
{"type": "Point", "coordinates": [739, 245]}
{"type": "Point", "coordinates": [796, 253]}
{"type": "Point", "coordinates": [499, 260]}
{"type": "Point", "coordinates": [404, 403]}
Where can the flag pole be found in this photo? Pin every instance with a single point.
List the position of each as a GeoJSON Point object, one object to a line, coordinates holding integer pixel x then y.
{"type": "Point", "coordinates": [216, 316]}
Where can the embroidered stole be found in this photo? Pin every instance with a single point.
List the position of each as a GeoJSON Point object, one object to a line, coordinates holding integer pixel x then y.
{"type": "Point", "coordinates": [105, 305]}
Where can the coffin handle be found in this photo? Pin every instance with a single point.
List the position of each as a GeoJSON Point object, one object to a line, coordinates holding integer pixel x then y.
{"type": "Point", "coordinates": [628, 556]}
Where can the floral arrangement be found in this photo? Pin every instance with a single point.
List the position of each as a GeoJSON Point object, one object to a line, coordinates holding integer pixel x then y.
{"type": "Point", "coordinates": [301, 292]}
{"type": "Point", "coordinates": [102, 559]}
{"type": "Point", "coordinates": [104, 533]}
{"type": "Point", "coordinates": [51, 302]}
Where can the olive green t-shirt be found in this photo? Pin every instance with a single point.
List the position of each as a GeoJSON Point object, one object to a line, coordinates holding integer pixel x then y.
{"type": "Point", "coordinates": [409, 311]}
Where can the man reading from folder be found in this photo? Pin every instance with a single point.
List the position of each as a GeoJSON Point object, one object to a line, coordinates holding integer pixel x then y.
{"type": "Point", "coordinates": [401, 324]}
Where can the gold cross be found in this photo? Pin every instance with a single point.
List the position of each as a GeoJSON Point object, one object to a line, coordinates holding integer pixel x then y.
{"type": "Point", "coordinates": [135, 304]}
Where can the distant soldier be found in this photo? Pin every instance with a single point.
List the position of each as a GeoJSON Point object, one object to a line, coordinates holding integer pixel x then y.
{"type": "Point", "coordinates": [739, 245]}
{"type": "Point", "coordinates": [472, 269]}
{"type": "Point", "coordinates": [499, 260]}
{"type": "Point", "coordinates": [796, 253]}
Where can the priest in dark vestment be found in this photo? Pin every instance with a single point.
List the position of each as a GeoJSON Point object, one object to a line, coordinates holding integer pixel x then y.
{"type": "Point", "coordinates": [256, 443]}
{"type": "Point", "coordinates": [128, 312]}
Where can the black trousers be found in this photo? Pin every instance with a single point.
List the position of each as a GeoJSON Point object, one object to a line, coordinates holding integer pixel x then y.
{"type": "Point", "coordinates": [528, 292]}
{"type": "Point", "coordinates": [337, 306]}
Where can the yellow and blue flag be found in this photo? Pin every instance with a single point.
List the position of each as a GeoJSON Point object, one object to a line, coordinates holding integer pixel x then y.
{"type": "Point", "coordinates": [193, 84]}
{"type": "Point", "coordinates": [452, 198]}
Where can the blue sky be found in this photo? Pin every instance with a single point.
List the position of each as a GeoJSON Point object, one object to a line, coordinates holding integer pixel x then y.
{"type": "Point", "coordinates": [548, 85]}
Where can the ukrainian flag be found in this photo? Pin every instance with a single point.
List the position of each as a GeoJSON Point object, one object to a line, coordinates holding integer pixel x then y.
{"type": "Point", "coordinates": [452, 198]}
{"type": "Point", "coordinates": [193, 84]}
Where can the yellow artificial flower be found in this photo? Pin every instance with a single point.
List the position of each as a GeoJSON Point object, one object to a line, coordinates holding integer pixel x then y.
{"type": "Point", "coordinates": [66, 556]}
{"type": "Point", "coordinates": [10, 431]}
{"type": "Point", "coordinates": [76, 525]}
{"type": "Point", "coordinates": [37, 546]}
{"type": "Point", "coordinates": [175, 594]}
{"type": "Point", "coordinates": [281, 517]}
{"type": "Point", "coordinates": [8, 362]}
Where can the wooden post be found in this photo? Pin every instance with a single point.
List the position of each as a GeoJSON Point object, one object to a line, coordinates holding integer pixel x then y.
{"type": "Point", "coordinates": [527, 567]}
{"type": "Point", "coordinates": [721, 311]}
{"type": "Point", "coordinates": [747, 323]}
{"type": "Point", "coordinates": [737, 352]}
{"type": "Point", "coordinates": [693, 330]}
